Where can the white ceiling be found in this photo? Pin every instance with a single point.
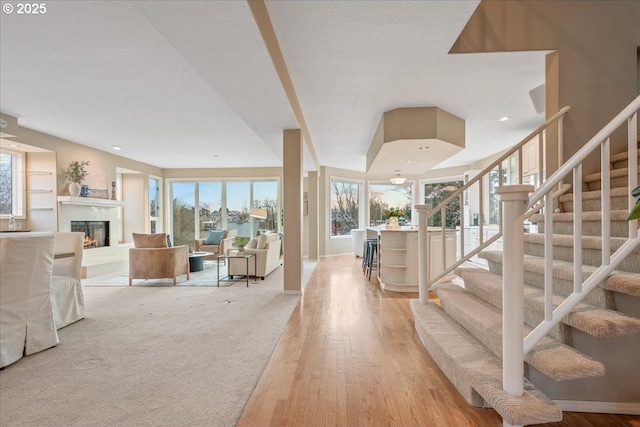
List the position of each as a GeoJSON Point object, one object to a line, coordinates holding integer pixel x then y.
{"type": "Point", "coordinates": [177, 83]}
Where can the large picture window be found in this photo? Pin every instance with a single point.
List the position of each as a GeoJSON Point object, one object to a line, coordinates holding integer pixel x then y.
{"type": "Point", "coordinates": [390, 199]}
{"type": "Point", "coordinates": [345, 207]}
{"type": "Point", "coordinates": [222, 205]}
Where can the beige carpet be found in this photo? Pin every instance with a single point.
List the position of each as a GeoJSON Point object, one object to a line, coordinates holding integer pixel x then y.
{"type": "Point", "coordinates": [152, 356]}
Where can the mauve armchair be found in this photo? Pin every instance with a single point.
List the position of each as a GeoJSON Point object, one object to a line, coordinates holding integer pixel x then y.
{"type": "Point", "coordinates": [152, 259]}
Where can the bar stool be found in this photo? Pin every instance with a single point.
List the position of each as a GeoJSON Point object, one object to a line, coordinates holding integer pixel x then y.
{"type": "Point", "coordinates": [372, 259]}
{"type": "Point", "coordinates": [365, 253]}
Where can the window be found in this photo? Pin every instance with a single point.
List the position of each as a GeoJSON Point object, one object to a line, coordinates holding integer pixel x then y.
{"type": "Point", "coordinates": [11, 183]}
{"type": "Point", "coordinates": [221, 205]}
{"type": "Point", "coordinates": [210, 207]}
{"type": "Point", "coordinates": [154, 204]}
{"type": "Point", "coordinates": [434, 193]}
{"type": "Point", "coordinates": [238, 207]}
{"type": "Point", "coordinates": [384, 198]}
{"type": "Point", "coordinates": [265, 196]}
{"type": "Point", "coordinates": [345, 207]}
{"type": "Point", "coordinates": [183, 212]}
{"type": "Point", "coordinates": [494, 203]}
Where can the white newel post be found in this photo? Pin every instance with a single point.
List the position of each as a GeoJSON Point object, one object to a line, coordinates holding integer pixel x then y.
{"type": "Point", "coordinates": [513, 198]}
{"type": "Point", "coordinates": [423, 254]}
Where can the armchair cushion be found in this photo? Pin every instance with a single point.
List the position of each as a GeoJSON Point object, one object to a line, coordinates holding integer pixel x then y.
{"type": "Point", "coordinates": [214, 237]}
{"type": "Point", "coordinates": [158, 240]}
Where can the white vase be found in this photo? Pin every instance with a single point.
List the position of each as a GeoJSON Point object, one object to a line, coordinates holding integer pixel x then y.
{"type": "Point", "coordinates": [392, 223]}
{"type": "Point", "coordinates": [74, 189]}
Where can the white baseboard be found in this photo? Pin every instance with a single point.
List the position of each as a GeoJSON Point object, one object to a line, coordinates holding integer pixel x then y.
{"type": "Point", "coordinates": [287, 292]}
{"type": "Point", "coordinates": [621, 408]}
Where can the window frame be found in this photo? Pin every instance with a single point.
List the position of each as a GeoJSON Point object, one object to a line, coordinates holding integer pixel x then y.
{"type": "Point", "coordinates": [361, 196]}
{"type": "Point", "coordinates": [18, 184]}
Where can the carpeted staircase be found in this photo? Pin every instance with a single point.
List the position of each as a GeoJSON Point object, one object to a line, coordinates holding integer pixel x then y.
{"type": "Point", "coordinates": [589, 359]}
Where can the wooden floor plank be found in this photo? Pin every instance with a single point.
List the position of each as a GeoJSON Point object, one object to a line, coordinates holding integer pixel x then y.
{"type": "Point", "coordinates": [351, 357]}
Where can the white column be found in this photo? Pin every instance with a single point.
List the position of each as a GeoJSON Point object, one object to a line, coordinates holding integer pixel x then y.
{"type": "Point", "coordinates": [423, 254]}
{"type": "Point", "coordinates": [513, 198]}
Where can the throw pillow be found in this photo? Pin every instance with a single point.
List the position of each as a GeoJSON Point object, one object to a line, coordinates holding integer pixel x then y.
{"type": "Point", "coordinates": [158, 240]}
{"type": "Point", "coordinates": [253, 243]}
{"type": "Point", "coordinates": [214, 237]}
{"type": "Point", "coordinates": [262, 241]}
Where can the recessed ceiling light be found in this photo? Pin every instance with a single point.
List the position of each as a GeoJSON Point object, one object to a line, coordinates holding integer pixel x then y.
{"type": "Point", "coordinates": [408, 161]}
{"type": "Point", "coordinates": [503, 118]}
{"type": "Point", "coordinates": [423, 148]}
{"type": "Point", "coordinates": [215, 155]}
{"type": "Point", "coordinates": [116, 147]}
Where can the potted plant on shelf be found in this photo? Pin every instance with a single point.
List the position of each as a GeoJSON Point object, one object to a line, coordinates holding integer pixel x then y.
{"type": "Point", "coordinates": [75, 174]}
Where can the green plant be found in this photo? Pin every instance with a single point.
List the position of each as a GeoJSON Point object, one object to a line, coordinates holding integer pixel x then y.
{"type": "Point", "coordinates": [76, 171]}
{"type": "Point", "coordinates": [635, 211]}
{"type": "Point", "coordinates": [241, 242]}
{"type": "Point", "coordinates": [393, 212]}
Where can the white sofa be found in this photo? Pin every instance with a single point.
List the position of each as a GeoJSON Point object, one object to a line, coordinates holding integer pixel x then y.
{"type": "Point", "coordinates": [267, 249]}
{"type": "Point", "coordinates": [67, 299]}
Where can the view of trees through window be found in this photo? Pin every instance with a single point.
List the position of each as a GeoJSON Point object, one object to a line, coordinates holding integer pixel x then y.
{"type": "Point", "coordinates": [434, 193]}
{"type": "Point", "coordinates": [6, 184]}
{"type": "Point", "coordinates": [183, 213]}
{"type": "Point", "coordinates": [494, 202]}
{"type": "Point", "coordinates": [216, 212]}
{"type": "Point", "coordinates": [345, 205]}
{"type": "Point", "coordinates": [387, 199]}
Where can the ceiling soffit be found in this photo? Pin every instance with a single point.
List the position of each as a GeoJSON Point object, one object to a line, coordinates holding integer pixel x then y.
{"type": "Point", "coordinates": [414, 140]}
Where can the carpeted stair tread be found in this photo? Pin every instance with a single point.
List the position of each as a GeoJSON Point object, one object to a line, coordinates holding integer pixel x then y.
{"type": "Point", "coordinates": [624, 283]}
{"type": "Point", "coordinates": [591, 199]}
{"type": "Point", "coordinates": [616, 215]}
{"type": "Point", "coordinates": [591, 249]}
{"type": "Point", "coordinates": [613, 173]}
{"type": "Point", "coordinates": [618, 281]}
{"type": "Point", "coordinates": [471, 366]}
{"type": "Point", "coordinates": [623, 155]}
{"type": "Point", "coordinates": [591, 223]}
{"type": "Point", "coordinates": [484, 321]}
{"type": "Point", "coordinates": [595, 321]}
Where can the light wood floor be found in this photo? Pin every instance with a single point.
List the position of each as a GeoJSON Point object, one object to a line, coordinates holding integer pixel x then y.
{"type": "Point", "coordinates": [350, 357]}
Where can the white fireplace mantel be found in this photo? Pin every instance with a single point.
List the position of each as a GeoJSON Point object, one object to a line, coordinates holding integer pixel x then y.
{"type": "Point", "coordinates": [89, 201]}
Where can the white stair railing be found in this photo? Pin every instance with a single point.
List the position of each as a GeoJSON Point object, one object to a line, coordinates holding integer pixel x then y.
{"type": "Point", "coordinates": [516, 201]}
{"type": "Point", "coordinates": [425, 212]}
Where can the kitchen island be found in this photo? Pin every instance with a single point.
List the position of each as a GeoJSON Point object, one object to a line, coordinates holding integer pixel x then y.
{"type": "Point", "coordinates": [398, 255]}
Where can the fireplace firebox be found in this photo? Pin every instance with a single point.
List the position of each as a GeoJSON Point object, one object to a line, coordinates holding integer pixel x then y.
{"type": "Point", "coordinates": [96, 233]}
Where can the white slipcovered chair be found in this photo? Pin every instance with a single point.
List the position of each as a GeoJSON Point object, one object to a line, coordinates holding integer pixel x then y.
{"type": "Point", "coordinates": [67, 298]}
{"type": "Point", "coordinates": [26, 318]}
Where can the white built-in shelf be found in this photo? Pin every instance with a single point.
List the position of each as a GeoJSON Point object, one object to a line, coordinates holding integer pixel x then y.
{"type": "Point", "coordinates": [40, 209]}
{"type": "Point", "coordinates": [40, 191]}
{"type": "Point", "coordinates": [89, 201]}
{"type": "Point", "coordinates": [38, 173]}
